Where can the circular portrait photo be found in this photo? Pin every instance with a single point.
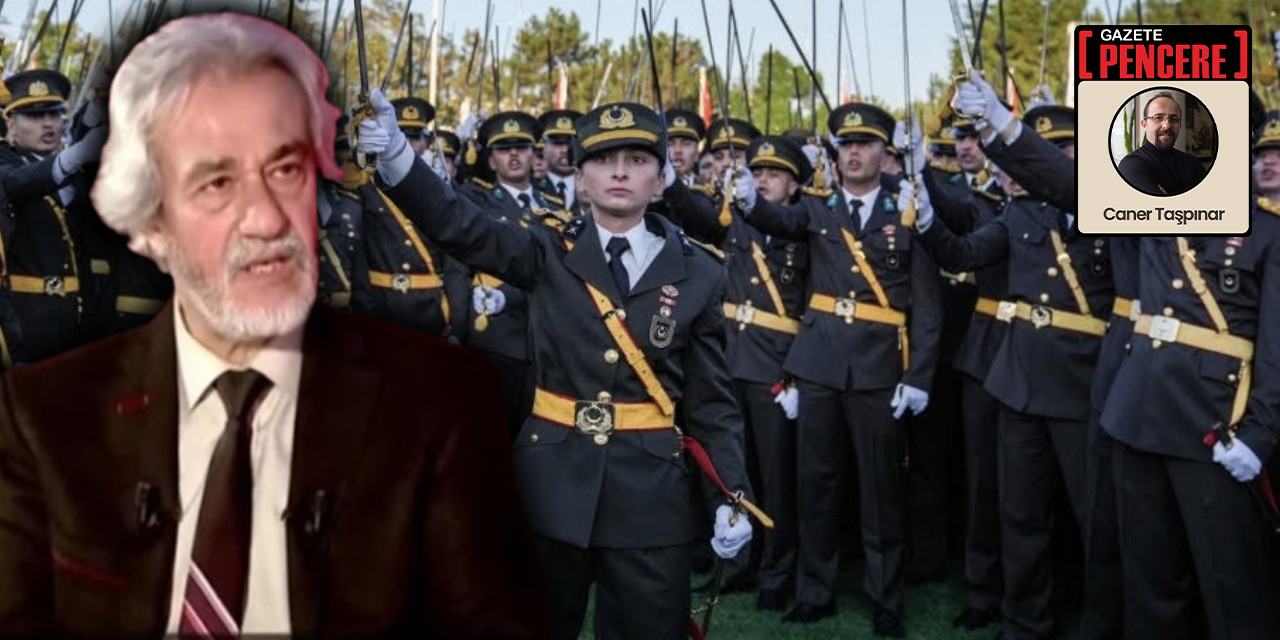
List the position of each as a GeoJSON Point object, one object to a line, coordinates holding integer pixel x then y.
{"type": "Point", "coordinates": [1163, 141]}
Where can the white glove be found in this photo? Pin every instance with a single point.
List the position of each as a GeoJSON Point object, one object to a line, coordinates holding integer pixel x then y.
{"type": "Point", "coordinates": [1238, 459]}
{"type": "Point", "coordinates": [924, 208]}
{"type": "Point", "coordinates": [1040, 96]}
{"type": "Point", "coordinates": [744, 189]}
{"type": "Point", "coordinates": [668, 174]}
{"type": "Point", "coordinates": [467, 130]}
{"type": "Point", "coordinates": [789, 400]}
{"type": "Point", "coordinates": [812, 152]}
{"type": "Point", "coordinates": [730, 538]}
{"type": "Point", "coordinates": [976, 99]}
{"type": "Point", "coordinates": [908, 397]}
{"type": "Point", "coordinates": [914, 145]}
{"type": "Point", "coordinates": [386, 116]}
{"type": "Point", "coordinates": [488, 300]}
{"type": "Point", "coordinates": [87, 149]}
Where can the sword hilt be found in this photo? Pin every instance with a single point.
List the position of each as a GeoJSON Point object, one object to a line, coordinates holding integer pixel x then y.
{"type": "Point", "coordinates": [367, 162]}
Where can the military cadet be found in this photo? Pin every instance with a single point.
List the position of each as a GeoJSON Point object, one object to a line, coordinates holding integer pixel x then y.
{"type": "Point", "coordinates": [627, 322]}
{"type": "Point", "coordinates": [410, 282]}
{"type": "Point", "coordinates": [499, 316]}
{"type": "Point", "coordinates": [413, 115]}
{"type": "Point", "coordinates": [864, 355]}
{"type": "Point", "coordinates": [727, 140]}
{"type": "Point", "coordinates": [557, 152]}
{"type": "Point", "coordinates": [450, 146]}
{"type": "Point", "coordinates": [1061, 296]}
{"type": "Point", "coordinates": [344, 270]}
{"type": "Point", "coordinates": [1194, 411]}
{"type": "Point", "coordinates": [48, 193]}
{"type": "Point", "coordinates": [685, 131]}
{"type": "Point", "coordinates": [538, 171]}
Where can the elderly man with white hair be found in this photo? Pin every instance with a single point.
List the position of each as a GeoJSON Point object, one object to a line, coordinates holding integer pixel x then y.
{"type": "Point", "coordinates": [233, 463]}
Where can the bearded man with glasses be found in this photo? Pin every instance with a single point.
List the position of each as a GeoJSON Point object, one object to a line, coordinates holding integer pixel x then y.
{"type": "Point", "coordinates": [1157, 168]}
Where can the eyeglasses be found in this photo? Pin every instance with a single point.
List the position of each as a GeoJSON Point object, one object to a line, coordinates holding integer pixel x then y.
{"type": "Point", "coordinates": [1160, 118]}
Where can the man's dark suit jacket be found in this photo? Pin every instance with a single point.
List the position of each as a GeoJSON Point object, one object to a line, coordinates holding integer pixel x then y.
{"type": "Point", "coordinates": [423, 531]}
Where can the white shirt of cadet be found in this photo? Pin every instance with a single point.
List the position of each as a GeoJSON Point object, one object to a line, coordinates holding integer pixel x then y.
{"type": "Point", "coordinates": [515, 194]}
{"type": "Point", "coordinates": [201, 419]}
{"type": "Point", "coordinates": [868, 202]}
{"type": "Point", "coordinates": [645, 246]}
{"type": "Point", "coordinates": [570, 193]}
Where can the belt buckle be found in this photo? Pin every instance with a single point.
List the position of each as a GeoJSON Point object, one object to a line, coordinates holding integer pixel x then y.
{"type": "Point", "coordinates": [1041, 316]}
{"type": "Point", "coordinates": [1164, 328]}
{"type": "Point", "coordinates": [1005, 311]}
{"type": "Point", "coordinates": [745, 314]}
{"type": "Point", "coordinates": [400, 282]}
{"type": "Point", "coordinates": [1135, 310]}
{"type": "Point", "coordinates": [845, 308]}
{"type": "Point", "coordinates": [595, 419]}
{"type": "Point", "coordinates": [54, 286]}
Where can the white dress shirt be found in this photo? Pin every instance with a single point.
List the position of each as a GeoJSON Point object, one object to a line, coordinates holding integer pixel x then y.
{"type": "Point", "coordinates": [570, 189]}
{"type": "Point", "coordinates": [201, 419]}
{"type": "Point", "coordinates": [645, 246]}
{"type": "Point", "coordinates": [515, 194]}
{"type": "Point", "coordinates": [868, 202]}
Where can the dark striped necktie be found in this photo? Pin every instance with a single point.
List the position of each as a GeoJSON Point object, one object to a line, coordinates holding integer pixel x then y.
{"type": "Point", "coordinates": [217, 586]}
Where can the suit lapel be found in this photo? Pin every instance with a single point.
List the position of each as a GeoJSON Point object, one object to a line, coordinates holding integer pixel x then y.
{"type": "Point", "coordinates": [586, 260]}
{"type": "Point", "coordinates": [140, 404]}
{"type": "Point", "coordinates": [878, 218]}
{"type": "Point", "coordinates": [668, 266]}
{"type": "Point", "coordinates": [335, 398]}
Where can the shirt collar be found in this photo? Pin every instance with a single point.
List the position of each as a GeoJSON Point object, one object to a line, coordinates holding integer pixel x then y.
{"type": "Point", "coordinates": [639, 237]}
{"type": "Point", "coordinates": [280, 361]}
{"type": "Point", "coordinates": [868, 199]}
{"type": "Point", "coordinates": [515, 193]}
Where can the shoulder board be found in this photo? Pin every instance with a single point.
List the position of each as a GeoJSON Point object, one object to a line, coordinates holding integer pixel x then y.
{"type": "Point", "coordinates": [482, 184]}
{"type": "Point", "coordinates": [689, 243]}
{"type": "Point", "coordinates": [1270, 206]}
{"type": "Point", "coordinates": [705, 189]}
{"type": "Point", "coordinates": [986, 194]}
{"type": "Point", "coordinates": [547, 215]}
{"type": "Point", "coordinates": [944, 165]}
{"type": "Point", "coordinates": [573, 227]}
{"type": "Point", "coordinates": [818, 192]}
{"type": "Point", "coordinates": [553, 199]}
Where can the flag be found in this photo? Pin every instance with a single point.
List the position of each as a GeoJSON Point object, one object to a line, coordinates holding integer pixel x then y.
{"type": "Point", "coordinates": [1011, 94]}
{"type": "Point", "coordinates": [704, 98]}
{"type": "Point", "coordinates": [562, 89]}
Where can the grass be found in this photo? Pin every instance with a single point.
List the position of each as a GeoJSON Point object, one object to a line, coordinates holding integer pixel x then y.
{"type": "Point", "coordinates": [929, 611]}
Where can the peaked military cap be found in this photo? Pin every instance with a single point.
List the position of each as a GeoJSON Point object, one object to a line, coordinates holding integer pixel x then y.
{"type": "Point", "coordinates": [37, 91]}
{"type": "Point", "coordinates": [413, 114]}
{"type": "Point", "coordinates": [683, 123]}
{"type": "Point", "coordinates": [450, 144]}
{"type": "Point", "coordinates": [1268, 135]}
{"type": "Point", "coordinates": [1053, 122]}
{"type": "Point", "coordinates": [559, 123]}
{"type": "Point", "coordinates": [737, 132]}
{"type": "Point", "coordinates": [780, 152]}
{"type": "Point", "coordinates": [861, 122]}
{"type": "Point", "coordinates": [620, 124]}
{"type": "Point", "coordinates": [510, 129]}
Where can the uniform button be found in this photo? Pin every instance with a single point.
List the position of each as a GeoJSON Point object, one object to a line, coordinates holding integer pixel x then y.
{"type": "Point", "coordinates": [1044, 297]}
{"type": "Point", "coordinates": [322, 259]}
{"type": "Point", "coordinates": [1097, 252]}
{"type": "Point", "coordinates": [604, 396]}
{"type": "Point", "coordinates": [1231, 251]}
{"type": "Point", "coordinates": [855, 269]}
{"type": "Point", "coordinates": [611, 356]}
{"type": "Point", "coordinates": [533, 438]}
{"type": "Point", "coordinates": [857, 245]}
{"type": "Point", "coordinates": [823, 232]}
{"type": "Point", "coordinates": [351, 234]}
{"type": "Point", "coordinates": [1231, 377]}
{"type": "Point", "coordinates": [1156, 344]}
{"type": "Point", "coordinates": [1127, 347]}
{"type": "Point", "coordinates": [1227, 262]}
{"type": "Point", "coordinates": [405, 267]}
{"type": "Point", "coordinates": [346, 216]}
{"type": "Point", "coordinates": [622, 314]}
{"type": "Point", "coordinates": [1025, 236]}
{"type": "Point", "coordinates": [600, 439]}
{"type": "Point", "coordinates": [408, 243]}
{"type": "Point", "coordinates": [755, 280]}
{"type": "Point", "coordinates": [1099, 243]}
{"type": "Point", "coordinates": [1177, 283]}
{"type": "Point", "coordinates": [1168, 311]}
{"type": "Point", "coordinates": [1053, 272]}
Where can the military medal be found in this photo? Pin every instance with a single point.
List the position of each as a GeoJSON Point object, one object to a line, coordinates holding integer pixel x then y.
{"type": "Point", "coordinates": [661, 330]}
{"type": "Point", "coordinates": [670, 291]}
{"type": "Point", "coordinates": [1229, 281]}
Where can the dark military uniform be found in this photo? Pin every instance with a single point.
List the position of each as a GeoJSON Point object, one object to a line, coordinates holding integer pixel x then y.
{"type": "Point", "coordinates": [683, 123]}
{"type": "Point", "coordinates": [504, 337]}
{"type": "Point", "coordinates": [1057, 313]}
{"type": "Point", "coordinates": [613, 505]}
{"type": "Point", "coordinates": [1199, 360]}
{"type": "Point", "coordinates": [47, 269]}
{"type": "Point", "coordinates": [557, 127]}
{"type": "Point", "coordinates": [11, 351]}
{"type": "Point", "coordinates": [962, 208]}
{"type": "Point", "coordinates": [857, 340]}
{"type": "Point", "coordinates": [344, 280]}
{"type": "Point", "coordinates": [128, 289]}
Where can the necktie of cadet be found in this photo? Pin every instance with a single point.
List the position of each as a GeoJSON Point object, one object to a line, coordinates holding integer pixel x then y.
{"type": "Point", "coordinates": [855, 209]}
{"type": "Point", "coordinates": [616, 247]}
{"type": "Point", "coordinates": [216, 589]}
{"type": "Point", "coordinates": [525, 202]}
{"type": "Point", "coordinates": [560, 190]}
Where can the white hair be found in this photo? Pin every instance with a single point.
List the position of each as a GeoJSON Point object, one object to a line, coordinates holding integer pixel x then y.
{"type": "Point", "coordinates": [154, 83]}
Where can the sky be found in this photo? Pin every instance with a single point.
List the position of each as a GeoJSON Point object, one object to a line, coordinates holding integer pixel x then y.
{"type": "Point", "coordinates": [876, 39]}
